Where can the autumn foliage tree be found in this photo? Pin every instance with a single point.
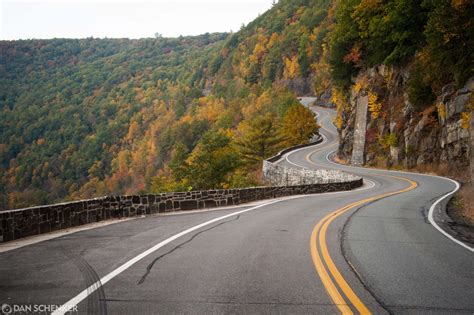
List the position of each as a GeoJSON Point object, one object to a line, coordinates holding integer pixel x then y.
{"type": "Point", "coordinates": [299, 125]}
{"type": "Point", "coordinates": [259, 138]}
{"type": "Point", "coordinates": [211, 161]}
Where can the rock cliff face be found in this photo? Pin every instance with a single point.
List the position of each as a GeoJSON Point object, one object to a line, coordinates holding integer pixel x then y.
{"type": "Point", "coordinates": [381, 127]}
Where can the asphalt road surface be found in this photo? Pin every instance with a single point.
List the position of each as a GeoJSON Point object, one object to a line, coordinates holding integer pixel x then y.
{"type": "Point", "coordinates": [373, 249]}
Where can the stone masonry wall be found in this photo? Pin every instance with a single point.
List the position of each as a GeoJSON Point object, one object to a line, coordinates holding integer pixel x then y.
{"type": "Point", "coordinates": [43, 219]}
{"type": "Point", "coordinates": [280, 175]}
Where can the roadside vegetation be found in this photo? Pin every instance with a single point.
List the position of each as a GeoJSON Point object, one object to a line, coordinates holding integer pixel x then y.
{"type": "Point", "coordinates": [466, 197]}
{"type": "Point", "coordinates": [91, 117]}
{"type": "Point", "coordinates": [461, 210]}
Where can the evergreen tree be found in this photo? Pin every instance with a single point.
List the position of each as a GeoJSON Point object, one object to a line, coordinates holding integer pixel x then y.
{"type": "Point", "coordinates": [261, 138]}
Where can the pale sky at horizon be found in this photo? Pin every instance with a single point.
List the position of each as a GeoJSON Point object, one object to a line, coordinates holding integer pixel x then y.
{"type": "Point", "coordinates": [20, 19]}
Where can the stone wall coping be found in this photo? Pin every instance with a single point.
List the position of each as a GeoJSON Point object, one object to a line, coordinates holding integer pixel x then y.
{"type": "Point", "coordinates": [65, 203]}
{"type": "Point", "coordinates": [279, 155]}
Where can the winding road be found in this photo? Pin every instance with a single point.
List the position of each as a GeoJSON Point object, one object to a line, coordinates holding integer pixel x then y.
{"type": "Point", "coordinates": [376, 250]}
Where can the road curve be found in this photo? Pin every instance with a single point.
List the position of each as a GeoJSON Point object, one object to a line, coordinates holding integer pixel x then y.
{"type": "Point", "coordinates": [368, 250]}
{"type": "Point", "coordinates": [402, 257]}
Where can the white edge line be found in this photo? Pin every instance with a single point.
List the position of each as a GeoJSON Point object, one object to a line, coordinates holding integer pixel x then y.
{"type": "Point", "coordinates": [433, 206]}
{"type": "Point", "coordinates": [102, 281]}
{"type": "Point", "coordinates": [85, 293]}
{"type": "Point", "coordinates": [297, 150]}
{"type": "Point", "coordinates": [300, 149]}
{"type": "Point", "coordinates": [433, 222]}
{"type": "Point", "coordinates": [38, 238]}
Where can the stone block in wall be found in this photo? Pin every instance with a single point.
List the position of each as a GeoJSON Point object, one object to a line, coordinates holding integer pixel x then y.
{"type": "Point", "coordinates": [44, 227]}
{"type": "Point", "coordinates": [83, 217]}
{"type": "Point", "coordinates": [153, 209]}
{"type": "Point", "coordinates": [162, 207]}
{"type": "Point", "coordinates": [188, 205]}
{"type": "Point", "coordinates": [210, 203]}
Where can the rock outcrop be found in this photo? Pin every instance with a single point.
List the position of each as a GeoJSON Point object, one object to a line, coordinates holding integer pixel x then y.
{"type": "Point", "coordinates": [398, 133]}
{"type": "Point", "coordinates": [360, 129]}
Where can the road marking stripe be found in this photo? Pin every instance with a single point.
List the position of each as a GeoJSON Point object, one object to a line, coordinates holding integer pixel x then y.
{"type": "Point", "coordinates": [91, 289]}
{"type": "Point", "coordinates": [323, 274]}
{"type": "Point", "coordinates": [332, 216]}
{"type": "Point", "coordinates": [335, 272]}
{"type": "Point", "coordinates": [319, 236]}
{"type": "Point", "coordinates": [433, 206]}
{"type": "Point", "coordinates": [433, 222]}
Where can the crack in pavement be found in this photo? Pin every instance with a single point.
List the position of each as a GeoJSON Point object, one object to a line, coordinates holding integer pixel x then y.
{"type": "Point", "coordinates": [150, 266]}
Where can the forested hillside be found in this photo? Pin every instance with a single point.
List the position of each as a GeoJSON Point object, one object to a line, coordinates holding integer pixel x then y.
{"type": "Point", "coordinates": [66, 105]}
{"type": "Point", "coordinates": [90, 117]}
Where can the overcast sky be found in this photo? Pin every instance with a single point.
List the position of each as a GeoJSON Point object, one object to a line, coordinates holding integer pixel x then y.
{"type": "Point", "coordinates": [124, 18]}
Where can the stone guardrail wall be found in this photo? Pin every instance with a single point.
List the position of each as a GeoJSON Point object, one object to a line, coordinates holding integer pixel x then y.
{"type": "Point", "coordinates": [15, 224]}
{"type": "Point", "coordinates": [279, 175]}
{"type": "Point", "coordinates": [43, 219]}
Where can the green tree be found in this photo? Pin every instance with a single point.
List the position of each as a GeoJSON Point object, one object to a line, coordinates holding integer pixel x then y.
{"type": "Point", "coordinates": [303, 58]}
{"type": "Point", "coordinates": [343, 39]}
{"type": "Point", "coordinates": [178, 163]}
{"type": "Point", "coordinates": [449, 34]}
{"type": "Point", "coordinates": [211, 161]}
{"type": "Point", "coordinates": [259, 138]}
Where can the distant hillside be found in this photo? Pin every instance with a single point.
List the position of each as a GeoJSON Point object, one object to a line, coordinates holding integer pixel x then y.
{"type": "Point", "coordinates": [66, 105]}
{"type": "Point", "coordinates": [285, 46]}
{"type": "Point", "coordinates": [90, 117]}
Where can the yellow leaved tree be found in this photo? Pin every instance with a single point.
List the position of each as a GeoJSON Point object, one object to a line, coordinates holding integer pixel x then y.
{"type": "Point", "coordinates": [299, 125]}
{"type": "Point", "coordinates": [374, 105]}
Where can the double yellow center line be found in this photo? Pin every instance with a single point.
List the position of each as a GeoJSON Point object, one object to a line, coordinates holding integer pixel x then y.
{"type": "Point", "coordinates": [325, 265]}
